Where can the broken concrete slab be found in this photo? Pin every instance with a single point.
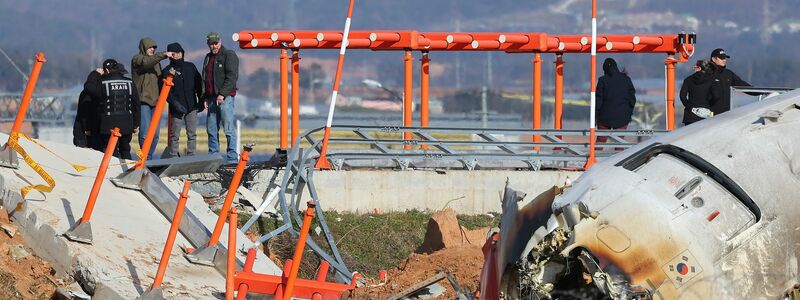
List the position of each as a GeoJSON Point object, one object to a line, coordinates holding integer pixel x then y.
{"type": "Point", "coordinates": [10, 229]}
{"type": "Point", "coordinates": [18, 252]}
{"type": "Point", "coordinates": [129, 232]}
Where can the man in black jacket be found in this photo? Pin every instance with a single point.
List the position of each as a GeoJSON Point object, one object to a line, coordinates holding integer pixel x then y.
{"type": "Point", "coordinates": [615, 99]}
{"type": "Point", "coordinates": [117, 104]}
{"type": "Point", "coordinates": [183, 101]}
{"type": "Point", "coordinates": [723, 80]}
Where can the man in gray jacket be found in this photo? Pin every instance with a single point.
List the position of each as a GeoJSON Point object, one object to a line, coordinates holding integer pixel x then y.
{"type": "Point", "coordinates": [145, 70]}
{"type": "Point", "coordinates": [220, 73]}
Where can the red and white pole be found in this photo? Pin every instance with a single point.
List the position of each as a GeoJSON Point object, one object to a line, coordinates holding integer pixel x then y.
{"type": "Point", "coordinates": [322, 161]}
{"type": "Point", "coordinates": [591, 159]}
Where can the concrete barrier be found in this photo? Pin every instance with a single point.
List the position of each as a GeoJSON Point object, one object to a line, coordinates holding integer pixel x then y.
{"type": "Point", "coordinates": [468, 192]}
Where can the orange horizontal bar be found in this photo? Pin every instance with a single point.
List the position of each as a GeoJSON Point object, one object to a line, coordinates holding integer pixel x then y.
{"type": "Point", "coordinates": [459, 38]}
{"type": "Point", "coordinates": [513, 38]}
{"type": "Point", "coordinates": [601, 40]}
{"type": "Point", "coordinates": [485, 44]}
{"type": "Point", "coordinates": [619, 46]}
{"type": "Point", "coordinates": [460, 41]}
{"type": "Point", "coordinates": [297, 43]}
{"type": "Point", "coordinates": [648, 40]}
{"type": "Point", "coordinates": [384, 37]}
{"type": "Point", "coordinates": [329, 36]}
{"type": "Point", "coordinates": [569, 47]}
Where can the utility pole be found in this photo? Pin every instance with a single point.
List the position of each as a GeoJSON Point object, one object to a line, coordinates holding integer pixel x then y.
{"type": "Point", "coordinates": [484, 108]}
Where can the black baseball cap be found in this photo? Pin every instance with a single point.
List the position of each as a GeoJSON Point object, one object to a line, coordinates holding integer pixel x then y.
{"type": "Point", "coordinates": [720, 53]}
{"type": "Point", "coordinates": [112, 65]}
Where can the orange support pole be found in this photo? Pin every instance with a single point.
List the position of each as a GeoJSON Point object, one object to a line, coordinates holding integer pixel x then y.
{"type": "Point", "coordinates": [322, 160]}
{"type": "Point", "coordinates": [298, 251]}
{"type": "Point", "coordinates": [101, 174]}
{"type": "Point", "coordinates": [82, 231]}
{"type": "Point", "coordinates": [670, 64]}
{"type": "Point", "coordinates": [295, 95]}
{"type": "Point", "coordinates": [27, 95]}
{"type": "Point", "coordinates": [537, 97]}
{"type": "Point", "coordinates": [151, 131]}
{"type": "Point", "coordinates": [226, 206]}
{"type": "Point", "coordinates": [173, 231]}
{"type": "Point", "coordinates": [559, 92]}
{"type": "Point", "coordinates": [592, 122]}
{"type": "Point", "coordinates": [284, 78]}
{"type": "Point", "coordinates": [423, 91]}
{"type": "Point", "coordinates": [233, 220]}
{"type": "Point", "coordinates": [407, 97]}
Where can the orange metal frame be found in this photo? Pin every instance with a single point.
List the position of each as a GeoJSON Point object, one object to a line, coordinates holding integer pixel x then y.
{"type": "Point", "coordinates": [677, 47]}
{"type": "Point", "coordinates": [287, 285]}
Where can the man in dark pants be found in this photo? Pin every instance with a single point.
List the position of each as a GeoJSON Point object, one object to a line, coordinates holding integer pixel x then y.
{"type": "Point", "coordinates": [182, 99]}
{"type": "Point", "coordinates": [220, 73]}
{"type": "Point", "coordinates": [117, 104]}
{"type": "Point", "coordinates": [723, 80]}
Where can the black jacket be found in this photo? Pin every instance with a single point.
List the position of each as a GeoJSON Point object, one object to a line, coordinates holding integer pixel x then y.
{"type": "Point", "coordinates": [615, 96]}
{"type": "Point", "coordinates": [721, 89]}
{"type": "Point", "coordinates": [225, 72]}
{"type": "Point", "coordinates": [117, 102]}
{"type": "Point", "coordinates": [696, 92]}
{"type": "Point", "coordinates": [183, 96]}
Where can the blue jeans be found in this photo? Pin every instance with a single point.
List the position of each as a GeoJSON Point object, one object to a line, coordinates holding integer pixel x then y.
{"type": "Point", "coordinates": [146, 115]}
{"type": "Point", "coordinates": [222, 114]}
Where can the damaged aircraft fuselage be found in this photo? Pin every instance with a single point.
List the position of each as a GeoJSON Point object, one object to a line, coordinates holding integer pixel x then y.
{"type": "Point", "coordinates": [708, 211]}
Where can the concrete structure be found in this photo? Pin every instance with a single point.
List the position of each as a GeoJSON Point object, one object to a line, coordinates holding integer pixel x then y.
{"type": "Point", "coordinates": [468, 192]}
{"type": "Point", "coordinates": [129, 232]}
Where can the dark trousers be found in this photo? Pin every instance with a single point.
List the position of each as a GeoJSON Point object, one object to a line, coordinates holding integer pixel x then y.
{"type": "Point", "coordinates": [603, 139]}
{"type": "Point", "coordinates": [123, 149]}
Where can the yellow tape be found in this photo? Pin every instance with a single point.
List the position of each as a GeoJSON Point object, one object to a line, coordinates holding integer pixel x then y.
{"type": "Point", "coordinates": [13, 143]}
{"type": "Point", "coordinates": [77, 167]}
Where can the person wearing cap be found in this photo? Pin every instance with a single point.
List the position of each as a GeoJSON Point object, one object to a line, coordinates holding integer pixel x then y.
{"type": "Point", "coordinates": [183, 101]}
{"type": "Point", "coordinates": [724, 78]}
{"type": "Point", "coordinates": [117, 104]}
{"type": "Point", "coordinates": [145, 71]}
{"type": "Point", "coordinates": [220, 73]}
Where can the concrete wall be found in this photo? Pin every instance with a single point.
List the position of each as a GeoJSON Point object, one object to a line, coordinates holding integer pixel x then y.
{"type": "Point", "coordinates": [468, 192]}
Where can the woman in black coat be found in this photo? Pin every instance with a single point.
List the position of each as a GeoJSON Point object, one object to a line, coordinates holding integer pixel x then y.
{"type": "Point", "coordinates": [696, 93]}
{"type": "Point", "coordinates": [615, 99]}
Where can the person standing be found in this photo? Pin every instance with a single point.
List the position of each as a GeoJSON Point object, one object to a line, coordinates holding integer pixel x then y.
{"type": "Point", "coordinates": [220, 73]}
{"type": "Point", "coordinates": [723, 80]}
{"type": "Point", "coordinates": [615, 99]}
{"type": "Point", "coordinates": [117, 105]}
{"type": "Point", "coordinates": [145, 71]}
{"type": "Point", "coordinates": [696, 93]}
{"type": "Point", "coordinates": [183, 101]}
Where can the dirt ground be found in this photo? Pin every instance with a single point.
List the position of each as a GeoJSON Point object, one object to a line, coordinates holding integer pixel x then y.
{"type": "Point", "coordinates": [463, 262]}
{"type": "Point", "coordinates": [453, 253]}
{"type": "Point", "coordinates": [27, 278]}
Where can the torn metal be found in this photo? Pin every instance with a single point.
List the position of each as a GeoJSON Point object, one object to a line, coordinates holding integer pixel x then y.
{"type": "Point", "coordinates": [708, 211]}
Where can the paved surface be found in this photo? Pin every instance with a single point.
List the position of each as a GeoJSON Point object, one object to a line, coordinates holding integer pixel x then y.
{"type": "Point", "coordinates": [129, 232]}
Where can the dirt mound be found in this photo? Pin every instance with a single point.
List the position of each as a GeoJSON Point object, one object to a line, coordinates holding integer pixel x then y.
{"type": "Point", "coordinates": [448, 247]}
{"type": "Point", "coordinates": [444, 232]}
{"type": "Point", "coordinates": [22, 275]}
{"type": "Point", "coordinates": [463, 262]}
